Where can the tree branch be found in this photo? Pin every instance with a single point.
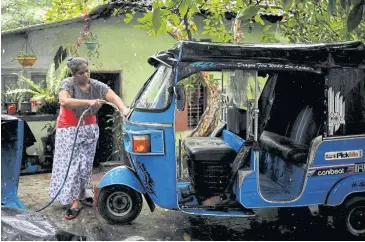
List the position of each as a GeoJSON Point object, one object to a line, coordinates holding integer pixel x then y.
{"type": "Point", "coordinates": [187, 27]}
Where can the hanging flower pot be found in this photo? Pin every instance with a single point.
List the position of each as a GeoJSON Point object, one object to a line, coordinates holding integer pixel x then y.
{"type": "Point", "coordinates": [26, 60]}
{"type": "Point", "coordinates": [91, 45]}
{"type": "Point", "coordinates": [26, 56]}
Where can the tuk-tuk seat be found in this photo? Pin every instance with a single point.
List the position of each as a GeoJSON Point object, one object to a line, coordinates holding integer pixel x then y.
{"type": "Point", "coordinates": [284, 147]}
{"type": "Point", "coordinates": [294, 148]}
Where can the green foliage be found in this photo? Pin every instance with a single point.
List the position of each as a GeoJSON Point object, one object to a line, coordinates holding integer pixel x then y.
{"type": "Point", "coordinates": [176, 17]}
{"type": "Point", "coordinates": [67, 9]}
{"type": "Point", "coordinates": [311, 22]}
{"type": "Point", "coordinates": [248, 12]}
{"type": "Point", "coordinates": [53, 84]}
{"type": "Point", "coordinates": [22, 13]}
{"type": "Point", "coordinates": [10, 97]}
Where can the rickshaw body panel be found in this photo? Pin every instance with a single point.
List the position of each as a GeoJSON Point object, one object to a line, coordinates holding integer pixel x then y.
{"type": "Point", "coordinates": [318, 189]}
{"type": "Point", "coordinates": [156, 169]}
{"type": "Point", "coordinates": [349, 185]}
{"type": "Point", "coordinates": [121, 175]}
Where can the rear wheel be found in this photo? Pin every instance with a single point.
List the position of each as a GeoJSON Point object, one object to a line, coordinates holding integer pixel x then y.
{"type": "Point", "coordinates": [119, 204]}
{"type": "Point", "coordinates": [351, 216]}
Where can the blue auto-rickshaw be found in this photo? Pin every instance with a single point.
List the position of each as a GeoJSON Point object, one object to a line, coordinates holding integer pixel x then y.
{"type": "Point", "coordinates": [296, 139]}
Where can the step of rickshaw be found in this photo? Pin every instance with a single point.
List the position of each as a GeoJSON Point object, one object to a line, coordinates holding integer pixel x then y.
{"type": "Point", "coordinates": [232, 212]}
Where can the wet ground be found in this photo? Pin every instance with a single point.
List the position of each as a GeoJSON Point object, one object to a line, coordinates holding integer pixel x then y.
{"type": "Point", "coordinates": [173, 225]}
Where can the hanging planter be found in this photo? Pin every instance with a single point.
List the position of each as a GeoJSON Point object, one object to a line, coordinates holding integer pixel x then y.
{"type": "Point", "coordinates": [91, 45]}
{"type": "Point", "coordinates": [91, 41]}
{"type": "Point", "coordinates": [26, 60]}
{"type": "Point", "coordinates": [26, 56]}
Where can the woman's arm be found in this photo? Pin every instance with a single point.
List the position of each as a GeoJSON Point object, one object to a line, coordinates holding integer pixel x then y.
{"type": "Point", "coordinates": [113, 98]}
{"type": "Point", "coordinates": [68, 102]}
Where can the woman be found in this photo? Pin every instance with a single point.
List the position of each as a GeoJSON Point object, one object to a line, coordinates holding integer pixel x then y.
{"type": "Point", "coordinates": [78, 93]}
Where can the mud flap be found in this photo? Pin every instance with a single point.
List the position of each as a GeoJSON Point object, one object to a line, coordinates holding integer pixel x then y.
{"type": "Point", "coordinates": [149, 201]}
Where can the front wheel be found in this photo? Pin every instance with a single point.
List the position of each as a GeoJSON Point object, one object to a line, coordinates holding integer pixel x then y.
{"type": "Point", "coordinates": [119, 204]}
{"type": "Point", "coordinates": [351, 217]}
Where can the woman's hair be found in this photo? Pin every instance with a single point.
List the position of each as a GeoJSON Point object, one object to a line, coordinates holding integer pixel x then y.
{"type": "Point", "coordinates": [74, 63]}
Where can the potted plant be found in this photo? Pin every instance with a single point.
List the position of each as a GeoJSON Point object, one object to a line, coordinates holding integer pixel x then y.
{"type": "Point", "coordinates": [25, 59]}
{"type": "Point", "coordinates": [11, 99]}
{"type": "Point", "coordinates": [48, 96]}
{"type": "Point", "coordinates": [91, 41]}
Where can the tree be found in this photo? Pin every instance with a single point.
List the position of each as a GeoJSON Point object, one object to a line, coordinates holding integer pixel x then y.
{"type": "Point", "coordinates": [325, 21]}
{"type": "Point", "coordinates": [22, 13]}
{"type": "Point", "coordinates": [176, 18]}
{"type": "Point", "coordinates": [67, 9]}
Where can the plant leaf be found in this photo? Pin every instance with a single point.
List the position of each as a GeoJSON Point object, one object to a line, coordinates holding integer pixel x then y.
{"type": "Point", "coordinates": [184, 7]}
{"type": "Point", "coordinates": [156, 19]}
{"type": "Point", "coordinates": [248, 13]}
{"type": "Point", "coordinates": [355, 17]}
{"type": "Point", "coordinates": [21, 91]}
{"type": "Point", "coordinates": [128, 18]}
{"type": "Point", "coordinates": [194, 8]}
{"type": "Point", "coordinates": [287, 4]}
{"type": "Point", "coordinates": [50, 77]}
{"type": "Point", "coordinates": [258, 19]}
{"type": "Point", "coordinates": [30, 83]}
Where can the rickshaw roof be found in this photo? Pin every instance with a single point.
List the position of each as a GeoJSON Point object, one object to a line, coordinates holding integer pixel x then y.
{"type": "Point", "coordinates": [344, 53]}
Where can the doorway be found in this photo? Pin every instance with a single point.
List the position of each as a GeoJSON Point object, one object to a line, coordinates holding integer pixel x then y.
{"type": "Point", "coordinates": [106, 143]}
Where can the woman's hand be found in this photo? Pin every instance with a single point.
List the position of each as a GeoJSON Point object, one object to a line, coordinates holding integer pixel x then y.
{"type": "Point", "coordinates": [126, 111]}
{"type": "Point", "coordinates": [95, 102]}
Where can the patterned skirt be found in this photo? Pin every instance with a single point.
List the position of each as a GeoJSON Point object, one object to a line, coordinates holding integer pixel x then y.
{"type": "Point", "coordinates": [79, 175]}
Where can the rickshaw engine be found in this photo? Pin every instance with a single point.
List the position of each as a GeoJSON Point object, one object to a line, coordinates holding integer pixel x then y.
{"type": "Point", "coordinates": [209, 162]}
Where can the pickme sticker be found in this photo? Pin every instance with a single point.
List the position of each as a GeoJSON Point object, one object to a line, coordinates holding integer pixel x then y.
{"type": "Point", "coordinates": [343, 155]}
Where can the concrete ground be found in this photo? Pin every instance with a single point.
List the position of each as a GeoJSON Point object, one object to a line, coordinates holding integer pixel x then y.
{"type": "Point", "coordinates": [174, 225]}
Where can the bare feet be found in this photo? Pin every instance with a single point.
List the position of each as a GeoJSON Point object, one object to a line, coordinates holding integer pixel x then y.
{"type": "Point", "coordinates": [212, 201]}
{"type": "Point", "coordinates": [75, 204]}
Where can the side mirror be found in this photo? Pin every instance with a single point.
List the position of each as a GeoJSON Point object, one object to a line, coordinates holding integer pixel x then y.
{"type": "Point", "coordinates": [179, 92]}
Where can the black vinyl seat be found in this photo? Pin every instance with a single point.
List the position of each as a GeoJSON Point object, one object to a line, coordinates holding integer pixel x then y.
{"type": "Point", "coordinates": [284, 147]}
{"type": "Point", "coordinates": [294, 148]}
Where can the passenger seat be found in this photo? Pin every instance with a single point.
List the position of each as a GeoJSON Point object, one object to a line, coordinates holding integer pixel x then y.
{"type": "Point", "coordinates": [296, 147]}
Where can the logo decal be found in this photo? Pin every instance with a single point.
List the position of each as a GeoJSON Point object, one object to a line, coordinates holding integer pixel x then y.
{"type": "Point", "coordinates": [360, 167]}
{"type": "Point", "coordinates": [147, 181]}
{"type": "Point", "coordinates": [342, 155]}
{"type": "Point", "coordinates": [330, 171]}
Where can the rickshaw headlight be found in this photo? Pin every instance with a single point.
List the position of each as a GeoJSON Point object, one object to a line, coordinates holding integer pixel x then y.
{"type": "Point", "coordinates": [141, 143]}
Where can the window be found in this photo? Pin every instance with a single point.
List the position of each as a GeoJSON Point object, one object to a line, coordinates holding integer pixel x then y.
{"type": "Point", "coordinates": [196, 104]}
{"type": "Point", "coordinates": [8, 82]}
{"type": "Point", "coordinates": [39, 79]}
{"type": "Point", "coordinates": [156, 94]}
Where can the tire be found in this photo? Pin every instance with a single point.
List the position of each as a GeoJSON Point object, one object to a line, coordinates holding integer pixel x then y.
{"type": "Point", "coordinates": [351, 217]}
{"type": "Point", "coordinates": [119, 204]}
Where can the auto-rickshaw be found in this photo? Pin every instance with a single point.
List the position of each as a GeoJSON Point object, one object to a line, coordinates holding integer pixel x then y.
{"type": "Point", "coordinates": [291, 134]}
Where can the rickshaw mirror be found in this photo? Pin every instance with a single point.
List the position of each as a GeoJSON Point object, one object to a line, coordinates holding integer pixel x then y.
{"type": "Point", "coordinates": [179, 92]}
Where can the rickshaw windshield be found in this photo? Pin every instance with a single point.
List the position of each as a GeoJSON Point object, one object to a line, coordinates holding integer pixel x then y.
{"type": "Point", "coordinates": [156, 93]}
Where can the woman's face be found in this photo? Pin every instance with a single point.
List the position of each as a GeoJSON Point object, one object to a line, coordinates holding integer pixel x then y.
{"type": "Point", "coordinates": [82, 75]}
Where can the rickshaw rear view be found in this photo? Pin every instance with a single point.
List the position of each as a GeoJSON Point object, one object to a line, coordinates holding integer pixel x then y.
{"type": "Point", "coordinates": [291, 134]}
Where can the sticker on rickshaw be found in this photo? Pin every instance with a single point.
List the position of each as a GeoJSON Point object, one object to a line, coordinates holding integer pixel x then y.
{"type": "Point", "coordinates": [360, 167]}
{"type": "Point", "coordinates": [341, 155]}
{"type": "Point", "coordinates": [358, 184]}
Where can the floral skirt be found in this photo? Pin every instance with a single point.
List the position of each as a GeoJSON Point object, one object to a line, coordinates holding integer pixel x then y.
{"type": "Point", "coordinates": [79, 175]}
